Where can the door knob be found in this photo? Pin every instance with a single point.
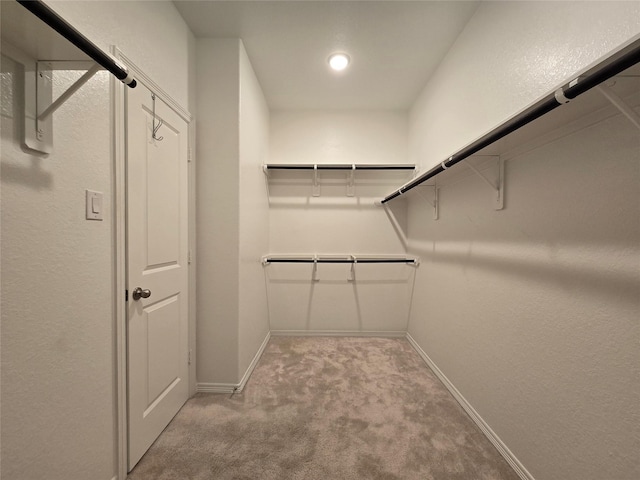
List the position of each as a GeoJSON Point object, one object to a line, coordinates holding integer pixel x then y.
{"type": "Point", "coordinates": [139, 293]}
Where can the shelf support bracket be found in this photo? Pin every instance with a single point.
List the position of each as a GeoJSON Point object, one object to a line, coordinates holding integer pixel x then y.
{"type": "Point", "coordinates": [620, 104]}
{"type": "Point", "coordinates": [48, 111]}
{"type": "Point", "coordinates": [351, 177]}
{"type": "Point", "coordinates": [435, 202]}
{"type": "Point", "coordinates": [38, 98]}
{"type": "Point", "coordinates": [497, 187]}
{"type": "Point", "coordinates": [352, 271]}
{"type": "Point", "coordinates": [314, 271]}
{"type": "Point", "coordinates": [316, 183]}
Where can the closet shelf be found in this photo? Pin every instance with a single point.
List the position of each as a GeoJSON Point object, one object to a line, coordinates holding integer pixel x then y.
{"type": "Point", "coordinates": [335, 259]}
{"type": "Point", "coordinates": [39, 39]}
{"type": "Point", "coordinates": [338, 166]}
{"type": "Point", "coordinates": [74, 37]}
{"type": "Point", "coordinates": [338, 259]}
{"type": "Point", "coordinates": [349, 168]}
{"type": "Point", "coordinates": [615, 64]}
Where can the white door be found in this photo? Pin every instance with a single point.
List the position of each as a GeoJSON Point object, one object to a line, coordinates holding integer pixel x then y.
{"type": "Point", "coordinates": [157, 233]}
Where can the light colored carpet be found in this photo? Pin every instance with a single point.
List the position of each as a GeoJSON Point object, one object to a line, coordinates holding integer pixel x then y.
{"type": "Point", "coordinates": [327, 408]}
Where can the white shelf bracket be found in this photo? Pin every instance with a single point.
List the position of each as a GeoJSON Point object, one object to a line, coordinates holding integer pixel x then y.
{"type": "Point", "coordinates": [620, 104]}
{"type": "Point", "coordinates": [316, 182]}
{"type": "Point", "coordinates": [352, 271]}
{"type": "Point", "coordinates": [48, 111]}
{"type": "Point", "coordinates": [314, 271]}
{"type": "Point", "coordinates": [38, 102]}
{"type": "Point", "coordinates": [497, 186]}
{"type": "Point", "coordinates": [435, 202]}
{"type": "Point", "coordinates": [351, 178]}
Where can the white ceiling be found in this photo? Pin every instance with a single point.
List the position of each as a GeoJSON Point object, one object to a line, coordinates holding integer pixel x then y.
{"type": "Point", "coordinates": [394, 46]}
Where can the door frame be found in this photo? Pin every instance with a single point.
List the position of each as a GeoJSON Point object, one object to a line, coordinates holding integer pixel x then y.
{"type": "Point", "coordinates": [119, 133]}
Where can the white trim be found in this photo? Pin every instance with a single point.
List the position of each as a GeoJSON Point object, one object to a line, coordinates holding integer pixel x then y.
{"type": "Point", "coordinates": [511, 459]}
{"type": "Point", "coordinates": [120, 269]}
{"type": "Point", "coordinates": [119, 219]}
{"type": "Point", "coordinates": [254, 362]}
{"type": "Point", "coordinates": [216, 387]}
{"type": "Point", "coordinates": [232, 387]}
{"type": "Point", "coordinates": [142, 77]}
{"type": "Point", "coordinates": [338, 333]}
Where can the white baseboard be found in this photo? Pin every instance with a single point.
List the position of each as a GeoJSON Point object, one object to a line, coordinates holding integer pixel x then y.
{"type": "Point", "coordinates": [337, 333]}
{"type": "Point", "coordinates": [216, 387]}
{"type": "Point", "coordinates": [235, 387]}
{"type": "Point", "coordinates": [254, 362]}
{"type": "Point", "coordinates": [475, 416]}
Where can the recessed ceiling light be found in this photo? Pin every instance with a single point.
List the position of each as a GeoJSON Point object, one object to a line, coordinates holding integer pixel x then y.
{"type": "Point", "coordinates": [339, 61]}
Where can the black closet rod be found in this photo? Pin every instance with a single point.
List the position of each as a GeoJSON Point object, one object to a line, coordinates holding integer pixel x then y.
{"type": "Point", "coordinates": [339, 260]}
{"type": "Point", "coordinates": [620, 61]}
{"type": "Point", "coordinates": [60, 25]}
{"type": "Point", "coordinates": [338, 167]}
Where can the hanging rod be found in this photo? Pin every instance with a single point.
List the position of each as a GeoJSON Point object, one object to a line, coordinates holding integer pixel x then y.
{"type": "Point", "coordinates": [618, 62]}
{"type": "Point", "coordinates": [60, 25]}
{"type": "Point", "coordinates": [346, 259]}
{"type": "Point", "coordinates": [339, 166]}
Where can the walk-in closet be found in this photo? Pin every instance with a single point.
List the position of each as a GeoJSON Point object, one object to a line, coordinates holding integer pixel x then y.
{"type": "Point", "coordinates": [320, 239]}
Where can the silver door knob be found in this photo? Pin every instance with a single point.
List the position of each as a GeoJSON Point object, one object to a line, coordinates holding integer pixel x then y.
{"type": "Point", "coordinates": [139, 293]}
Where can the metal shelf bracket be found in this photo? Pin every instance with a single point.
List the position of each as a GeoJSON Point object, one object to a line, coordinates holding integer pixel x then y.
{"type": "Point", "coordinates": [497, 186]}
{"type": "Point", "coordinates": [620, 104]}
{"type": "Point", "coordinates": [39, 105]}
{"type": "Point", "coordinates": [351, 178]}
{"type": "Point", "coordinates": [435, 202]}
{"type": "Point", "coordinates": [314, 272]}
{"type": "Point", "coordinates": [352, 271]}
{"type": "Point", "coordinates": [316, 182]}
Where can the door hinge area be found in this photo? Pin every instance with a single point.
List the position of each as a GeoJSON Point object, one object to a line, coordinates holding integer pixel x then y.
{"type": "Point", "coordinates": [126, 295]}
{"type": "Point", "coordinates": [189, 357]}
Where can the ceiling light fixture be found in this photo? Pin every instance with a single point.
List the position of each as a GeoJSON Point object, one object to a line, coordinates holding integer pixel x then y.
{"type": "Point", "coordinates": [339, 61]}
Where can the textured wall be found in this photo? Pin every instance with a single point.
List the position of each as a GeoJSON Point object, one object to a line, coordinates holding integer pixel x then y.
{"type": "Point", "coordinates": [232, 214]}
{"type": "Point", "coordinates": [218, 212]}
{"type": "Point", "coordinates": [336, 224]}
{"type": "Point", "coordinates": [532, 311]}
{"type": "Point", "coordinates": [253, 315]}
{"type": "Point", "coordinates": [151, 33]}
{"type": "Point", "coordinates": [58, 377]}
{"type": "Point", "coordinates": [57, 330]}
{"type": "Point", "coordinates": [509, 55]}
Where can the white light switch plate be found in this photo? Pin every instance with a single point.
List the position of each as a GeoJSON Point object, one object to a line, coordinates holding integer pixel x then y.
{"type": "Point", "coordinates": [94, 205]}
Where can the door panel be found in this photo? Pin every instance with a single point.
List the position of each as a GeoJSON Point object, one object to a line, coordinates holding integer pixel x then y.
{"type": "Point", "coordinates": [157, 234]}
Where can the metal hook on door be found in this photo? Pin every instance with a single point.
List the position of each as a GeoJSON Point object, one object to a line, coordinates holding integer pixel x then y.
{"type": "Point", "coordinates": [160, 122]}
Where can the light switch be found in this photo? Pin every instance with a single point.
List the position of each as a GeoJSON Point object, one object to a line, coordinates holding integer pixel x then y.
{"type": "Point", "coordinates": [94, 205]}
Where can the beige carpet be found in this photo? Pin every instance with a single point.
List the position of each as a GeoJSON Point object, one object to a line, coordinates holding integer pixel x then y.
{"type": "Point", "coordinates": [327, 408]}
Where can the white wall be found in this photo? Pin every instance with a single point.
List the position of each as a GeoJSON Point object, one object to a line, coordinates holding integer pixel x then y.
{"type": "Point", "coordinates": [218, 210]}
{"type": "Point", "coordinates": [58, 358]}
{"type": "Point", "coordinates": [509, 55]}
{"type": "Point", "coordinates": [232, 214]}
{"type": "Point", "coordinates": [336, 224]}
{"type": "Point", "coordinates": [254, 214]}
{"type": "Point", "coordinates": [532, 311]}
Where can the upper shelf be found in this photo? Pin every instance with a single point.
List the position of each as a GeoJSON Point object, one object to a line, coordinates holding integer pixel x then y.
{"type": "Point", "coordinates": [23, 29]}
{"type": "Point", "coordinates": [335, 173]}
{"type": "Point", "coordinates": [611, 80]}
{"type": "Point", "coordinates": [338, 166]}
